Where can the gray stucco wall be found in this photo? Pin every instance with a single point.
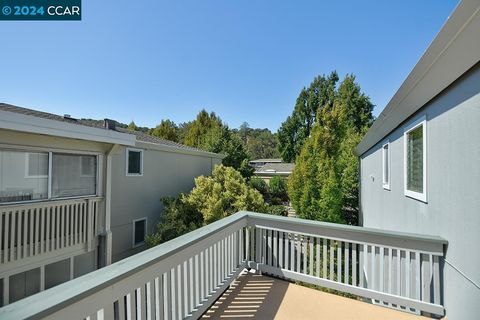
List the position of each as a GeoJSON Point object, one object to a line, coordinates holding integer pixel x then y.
{"type": "Point", "coordinates": [135, 197]}
{"type": "Point", "coordinates": [453, 189]}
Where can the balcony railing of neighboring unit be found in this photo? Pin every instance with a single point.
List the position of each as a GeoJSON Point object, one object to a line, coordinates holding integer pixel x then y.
{"type": "Point", "coordinates": [182, 278]}
{"type": "Point", "coordinates": [46, 228]}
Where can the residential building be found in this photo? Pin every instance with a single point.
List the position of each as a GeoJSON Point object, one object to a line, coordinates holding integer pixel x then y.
{"type": "Point", "coordinates": [420, 169]}
{"type": "Point", "coordinates": [261, 162]}
{"type": "Point", "coordinates": [75, 195]}
{"type": "Point", "coordinates": [272, 169]}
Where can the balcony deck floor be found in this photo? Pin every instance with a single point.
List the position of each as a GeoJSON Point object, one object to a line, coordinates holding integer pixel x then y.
{"type": "Point", "coordinates": [254, 296]}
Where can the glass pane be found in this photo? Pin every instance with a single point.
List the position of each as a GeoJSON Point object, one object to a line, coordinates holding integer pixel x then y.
{"type": "Point", "coordinates": [23, 176]}
{"type": "Point", "coordinates": [415, 160]}
{"type": "Point", "coordinates": [37, 164]}
{"type": "Point", "coordinates": [134, 162]}
{"type": "Point", "coordinates": [73, 175]}
{"type": "Point", "coordinates": [139, 231]}
{"type": "Point", "coordinates": [385, 164]}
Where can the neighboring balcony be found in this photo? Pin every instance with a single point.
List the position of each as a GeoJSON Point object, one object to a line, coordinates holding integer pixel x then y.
{"type": "Point", "coordinates": [185, 277]}
{"type": "Point", "coordinates": [34, 234]}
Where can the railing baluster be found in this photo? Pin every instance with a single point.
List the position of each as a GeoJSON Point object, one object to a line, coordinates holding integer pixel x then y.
{"type": "Point", "coordinates": [298, 243]}
{"type": "Point", "coordinates": [339, 261]}
{"type": "Point", "coordinates": [332, 258]}
{"type": "Point", "coordinates": [25, 232]}
{"type": "Point", "coordinates": [318, 256]}
{"type": "Point", "coordinates": [354, 264]}
{"type": "Point", "coordinates": [324, 242]}
{"type": "Point", "coordinates": [346, 275]}
{"type": "Point", "coordinates": [436, 280]}
{"type": "Point", "coordinates": [280, 249]}
{"type": "Point", "coordinates": [304, 245]}
{"type": "Point", "coordinates": [311, 254]}
{"type": "Point", "coordinates": [12, 235]}
{"type": "Point", "coordinates": [19, 233]}
{"type": "Point", "coordinates": [121, 308]}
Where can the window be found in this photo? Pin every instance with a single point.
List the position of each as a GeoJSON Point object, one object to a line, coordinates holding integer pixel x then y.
{"type": "Point", "coordinates": [23, 176]}
{"type": "Point", "coordinates": [31, 176]}
{"type": "Point", "coordinates": [88, 166]}
{"type": "Point", "coordinates": [36, 165]}
{"type": "Point", "coordinates": [139, 231]}
{"type": "Point", "coordinates": [134, 162]}
{"type": "Point", "coordinates": [415, 175]}
{"type": "Point", "coordinates": [386, 165]}
{"type": "Point", "coordinates": [68, 179]}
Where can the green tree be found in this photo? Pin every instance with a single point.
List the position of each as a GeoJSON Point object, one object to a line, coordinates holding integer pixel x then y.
{"type": "Point", "coordinates": [278, 190]}
{"type": "Point", "coordinates": [132, 126]}
{"type": "Point", "coordinates": [296, 129]}
{"type": "Point", "coordinates": [167, 130]}
{"type": "Point", "coordinates": [204, 131]}
{"type": "Point", "coordinates": [178, 218]}
{"type": "Point", "coordinates": [207, 132]}
{"type": "Point", "coordinates": [261, 186]}
{"type": "Point", "coordinates": [222, 194]}
{"type": "Point", "coordinates": [324, 184]}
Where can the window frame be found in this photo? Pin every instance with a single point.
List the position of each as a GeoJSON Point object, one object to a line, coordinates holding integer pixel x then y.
{"type": "Point", "coordinates": [127, 151]}
{"type": "Point", "coordinates": [50, 152]}
{"type": "Point", "coordinates": [27, 164]}
{"type": "Point", "coordinates": [386, 184]}
{"type": "Point", "coordinates": [420, 121]}
{"type": "Point", "coordinates": [135, 245]}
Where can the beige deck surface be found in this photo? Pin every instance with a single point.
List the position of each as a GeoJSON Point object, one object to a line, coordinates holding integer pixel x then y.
{"type": "Point", "coordinates": [260, 297]}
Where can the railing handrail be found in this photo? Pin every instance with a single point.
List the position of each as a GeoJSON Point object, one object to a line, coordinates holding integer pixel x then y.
{"type": "Point", "coordinates": [58, 297]}
{"type": "Point", "coordinates": [47, 202]}
{"type": "Point", "coordinates": [349, 228]}
{"type": "Point", "coordinates": [362, 235]}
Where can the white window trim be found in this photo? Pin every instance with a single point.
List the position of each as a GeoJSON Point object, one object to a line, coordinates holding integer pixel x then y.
{"type": "Point", "coordinates": [134, 245]}
{"type": "Point", "coordinates": [27, 165]}
{"type": "Point", "coordinates": [421, 121]}
{"type": "Point", "coordinates": [127, 150]}
{"type": "Point", "coordinates": [386, 184]}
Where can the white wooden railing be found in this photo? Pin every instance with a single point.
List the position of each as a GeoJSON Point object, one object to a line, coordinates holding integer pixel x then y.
{"type": "Point", "coordinates": [30, 230]}
{"type": "Point", "coordinates": [182, 278]}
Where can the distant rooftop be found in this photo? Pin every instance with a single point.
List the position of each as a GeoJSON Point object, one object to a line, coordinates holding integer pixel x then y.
{"type": "Point", "coordinates": [99, 124]}
{"type": "Point", "coordinates": [266, 160]}
{"type": "Point", "coordinates": [275, 168]}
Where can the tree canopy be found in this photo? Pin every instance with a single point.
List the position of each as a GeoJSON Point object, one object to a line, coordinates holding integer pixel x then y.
{"type": "Point", "coordinates": [222, 194]}
{"type": "Point", "coordinates": [324, 183]}
{"type": "Point", "coordinates": [296, 129]}
{"type": "Point", "coordinates": [167, 130]}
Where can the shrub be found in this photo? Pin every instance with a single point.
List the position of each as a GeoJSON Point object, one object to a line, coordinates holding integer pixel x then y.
{"type": "Point", "coordinates": [278, 190]}
{"type": "Point", "coordinates": [277, 210]}
{"type": "Point", "coordinates": [222, 194]}
{"type": "Point", "coordinates": [260, 185]}
{"type": "Point", "coordinates": [178, 218]}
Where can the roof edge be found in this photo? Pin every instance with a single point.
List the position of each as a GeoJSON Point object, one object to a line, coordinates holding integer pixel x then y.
{"type": "Point", "coordinates": [438, 68]}
{"type": "Point", "coordinates": [31, 124]}
{"type": "Point", "coordinates": [173, 149]}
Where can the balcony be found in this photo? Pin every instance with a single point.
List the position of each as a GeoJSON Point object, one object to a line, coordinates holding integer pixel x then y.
{"type": "Point", "coordinates": [33, 234]}
{"type": "Point", "coordinates": [185, 277]}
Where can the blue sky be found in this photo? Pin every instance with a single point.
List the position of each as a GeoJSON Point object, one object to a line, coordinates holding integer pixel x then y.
{"type": "Point", "coordinates": [246, 60]}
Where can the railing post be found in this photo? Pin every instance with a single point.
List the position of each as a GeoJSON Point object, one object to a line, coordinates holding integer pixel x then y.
{"type": "Point", "coordinates": [90, 226]}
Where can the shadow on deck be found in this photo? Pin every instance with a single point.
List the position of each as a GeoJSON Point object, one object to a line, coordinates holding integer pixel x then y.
{"type": "Point", "coordinates": [254, 296]}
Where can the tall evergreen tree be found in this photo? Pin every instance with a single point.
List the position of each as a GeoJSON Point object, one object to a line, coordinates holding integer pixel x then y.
{"type": "Point", "coordinates": [296, 129]}
{"type": "Point", "coordinates": [167, 129]}
{"type": "Point", "coordinates": [324, 184]}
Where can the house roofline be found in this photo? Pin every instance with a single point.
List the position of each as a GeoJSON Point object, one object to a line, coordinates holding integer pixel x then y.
{"type": "Point", "coordinates": [32, 124]}
{"type": "Point", "coordinates": [173, 149]}
{"type": "Point", "coordinates": [438, 68]}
